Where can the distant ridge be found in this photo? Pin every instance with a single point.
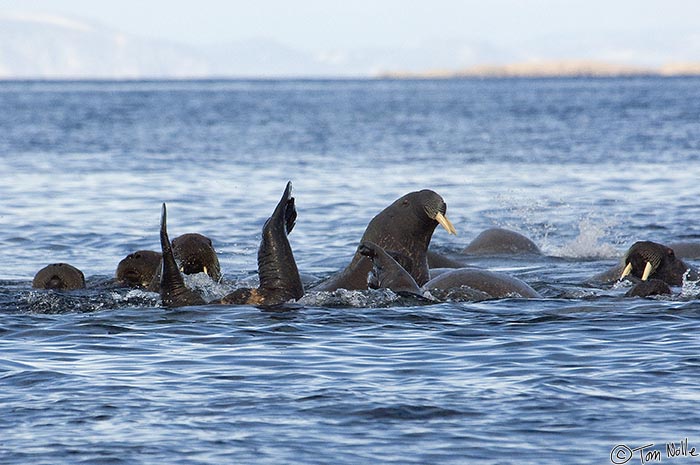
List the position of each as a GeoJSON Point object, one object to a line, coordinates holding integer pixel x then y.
{"type": "Point", "coordinates": [49, 46]}
{"type": "Point", "coordinates": [556, 68]}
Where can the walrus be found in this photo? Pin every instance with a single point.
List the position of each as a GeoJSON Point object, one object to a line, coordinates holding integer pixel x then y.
{"type": "Point", "coordinates": [404, 227]}
{"type": "Point", "coordinates": [689, 250]}
{"type": "Point", "coordinates": [138, 269]}
{"type": "Point", "coordinates": [650, 260]}
{"type": "Point", "coordinates": [649, 288]}
{"type": "Point", "coordinates": [498, 241]}
{"type": "Point", "coordinates": [492, 241]}
{"type": "Point", "coordinates": [195, 254]}
{"type": "Point", "coordinates": [59, 276]}
{"type": "Point", "coordinates": [388, 273]}
{"type": "Point", "coordinates": [496, 285]}
{"type": "Point", "coordinates": [279, 277]}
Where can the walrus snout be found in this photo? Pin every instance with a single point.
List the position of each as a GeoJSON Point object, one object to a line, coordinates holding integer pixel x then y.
{"type": "Point", "coordinates": [138, 268]}
{"type": "Point", "coordinates": [196, 254]}
{"type": "Point", "coordinates": [59, 276]}
{"type": "Point", "coordinates": [649, 260]}
{"type": "Point", "coordinates": [55, 282]}
{"type": "Point", "coordinates": [436, 209]}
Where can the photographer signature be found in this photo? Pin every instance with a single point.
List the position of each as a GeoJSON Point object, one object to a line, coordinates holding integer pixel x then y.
{"type": "Point", "coordinates": [622, 453]}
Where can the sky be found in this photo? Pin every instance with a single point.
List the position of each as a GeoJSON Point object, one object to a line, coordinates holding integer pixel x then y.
{"type": "Point", "coordinates": [314, 25]}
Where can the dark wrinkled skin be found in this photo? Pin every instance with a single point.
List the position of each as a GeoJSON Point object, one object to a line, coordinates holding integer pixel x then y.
{"type": "Point", "coordinates": [493, 241]}
{"type": "Point", "coordinates": [499, 241]}
{"type": "Point", "coordinates": [668, 268]}
{"type": "Point", "coordinates": [173, 292]}
{"type": "Point", "coordinates": [388, 273]}
{"type": "Point", "coordinates": [496, 285]}
{"type": "Point", "coordinates": [195, 252]}
{"type": "Point", "coordinates": [59, 276]}
{"type": "Point", "coordinates": [138, 269]}
{"type": "Point", "coordinates": [403, 227]}
{"type": "Point", "coordinates": [649, 288]}
{"type": "Point", "coordinates": [279, 277]}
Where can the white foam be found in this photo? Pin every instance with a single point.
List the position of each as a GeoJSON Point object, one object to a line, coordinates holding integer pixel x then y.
{"type": "Point", "coordinates": [689, 288]}
{"type": "Point", "coordinates": [590, 241]}
{"type": "Point", "coordinates": [345, 298]}
{"type": "Point", "coordinates": [205, 286]}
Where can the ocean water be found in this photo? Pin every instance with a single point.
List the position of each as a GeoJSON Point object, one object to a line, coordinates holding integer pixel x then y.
{"type": "Point", "coordinates": [585, 167]}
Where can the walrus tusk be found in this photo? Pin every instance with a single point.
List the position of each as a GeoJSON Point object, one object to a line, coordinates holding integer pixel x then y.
{"type": "Point", "coordinates": [445, 223]}
{"type": "Point", "coordinates": [647, 271]}
{"type": "Point", "coordinates": [626, 271]}
{"type": "Point", "coordinates": [204, 268]}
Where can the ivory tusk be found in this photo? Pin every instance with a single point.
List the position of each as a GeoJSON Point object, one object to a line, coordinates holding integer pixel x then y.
{"type": "Point", "coordinates": [445, 223]}
{"type": "Point", "coordinates": [626, 271]}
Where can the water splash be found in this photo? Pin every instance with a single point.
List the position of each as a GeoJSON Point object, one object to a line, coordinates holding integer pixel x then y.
{"type": "Point", "coordinates": [590, 241]}
{"type": "Point", "coordinates": [206, 287]}
{"type": "Point", "coordinates": [355, 299]}
{"type": "Point", "coordinates": [689, 288]}
{"type": "Point", "coordinates": [82, 301]}
{"type": "Point", "coordinates": [520, 211]}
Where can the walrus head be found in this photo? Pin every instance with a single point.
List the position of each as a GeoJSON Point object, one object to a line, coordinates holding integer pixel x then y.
{"type": "Point", "coordinates": [138, 269]}
{"type": "Point", "coordinates": [59, 276]}
{"type": "Point", "coordinates": [649, 260]}
{"type": "Point", "coordinates": [423, 207]}
{"type": "Point", "coordinates": [195, 253]}
{"type": "Point", "coordinates": [405, 228]}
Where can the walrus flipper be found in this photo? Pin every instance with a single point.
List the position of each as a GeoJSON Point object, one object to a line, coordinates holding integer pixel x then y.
{"type": "Point", "coordinates": [287, 206]}
{"type": "Point", "coordinates": [279, 276]}
{"type": "Point", "coordinates": [173, 292]}
{"type": "Point", "coordinates": [387, 272]}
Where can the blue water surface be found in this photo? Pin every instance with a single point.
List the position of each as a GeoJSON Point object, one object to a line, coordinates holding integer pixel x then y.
{"type": "Point", "coordinates": [585, 167]}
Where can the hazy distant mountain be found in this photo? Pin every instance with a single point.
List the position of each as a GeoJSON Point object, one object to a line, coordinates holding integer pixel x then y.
{"type": "Point", "coordinates": [56, 47]}
{"type": "Point", "coordinates": [59, 47]}
{"type": "Point", "coordinates": [262, 57]}
{"type": "Point", "coordinates": [34, 46]}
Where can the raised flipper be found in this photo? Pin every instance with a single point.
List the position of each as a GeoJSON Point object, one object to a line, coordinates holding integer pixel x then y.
{"type": "Point", "coordinates": [386, 271]}
{"type": "Point", "coordinates": [279, 277]}
{"type": "Point", "coordinates": [173, 292]}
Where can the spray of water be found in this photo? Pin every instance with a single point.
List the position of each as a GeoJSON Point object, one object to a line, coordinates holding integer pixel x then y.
{"type": "Point", "coordinates": [590, 241]}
